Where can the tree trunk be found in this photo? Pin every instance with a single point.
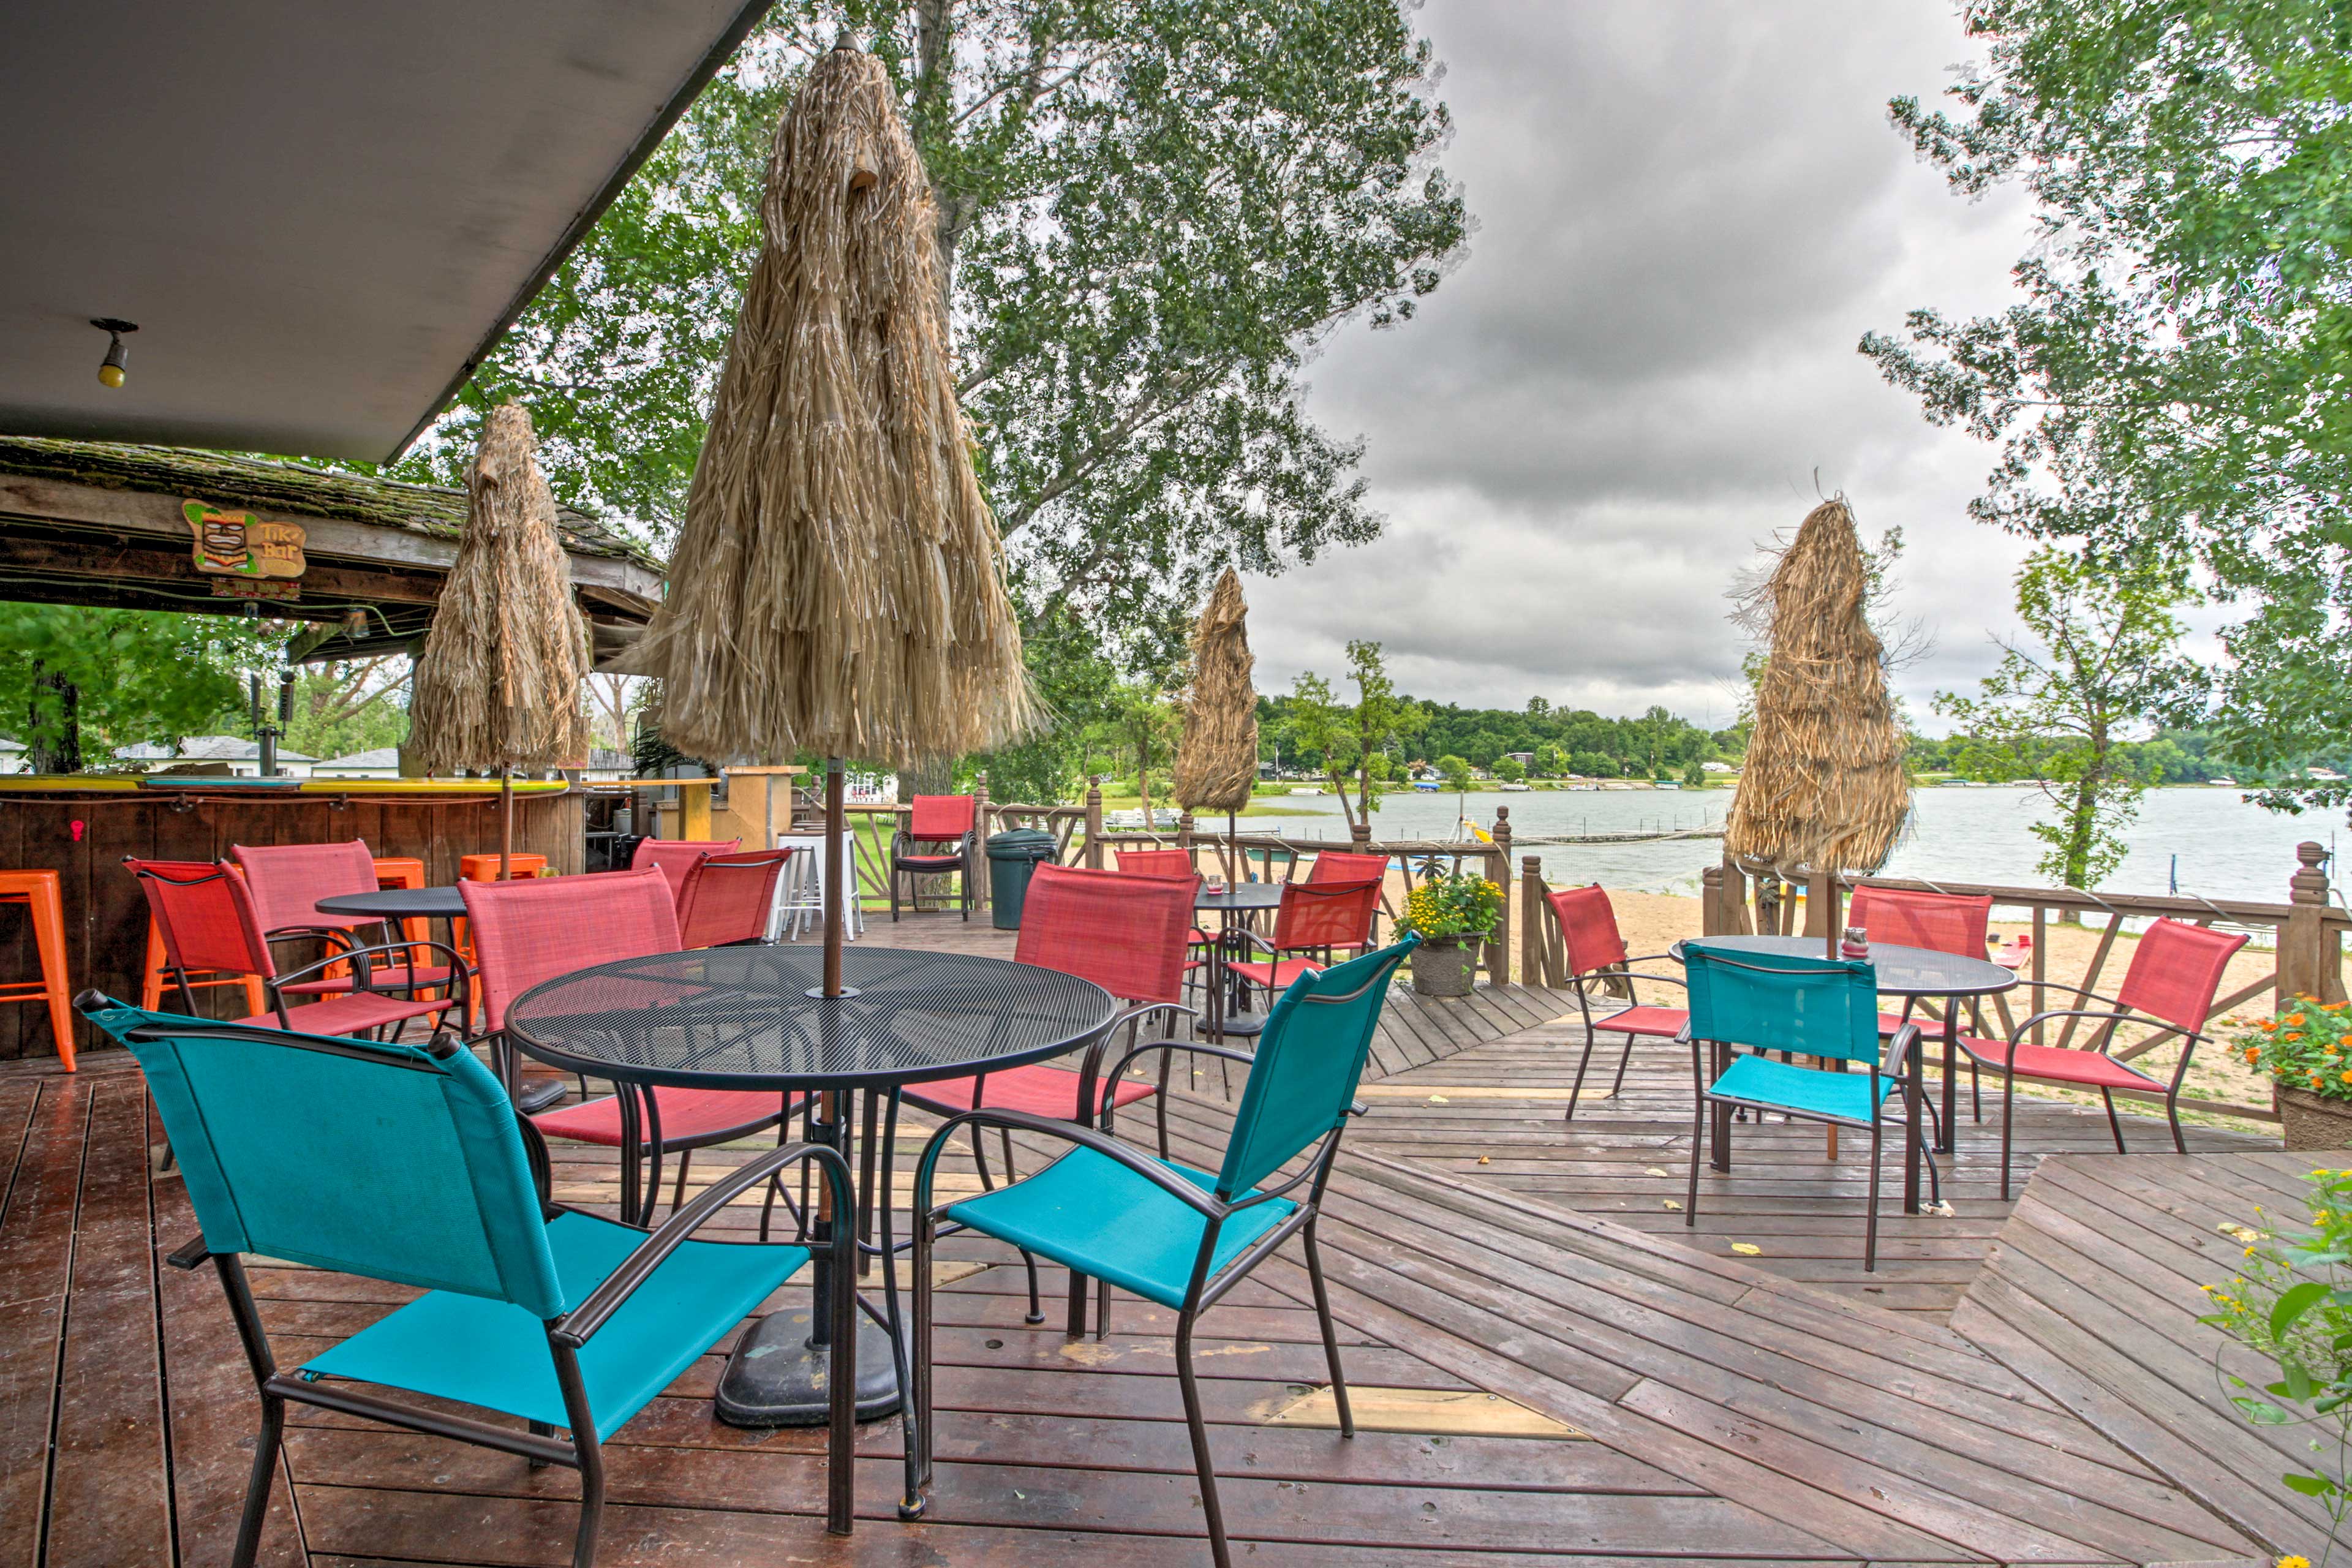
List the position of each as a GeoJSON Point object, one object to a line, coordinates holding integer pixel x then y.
{"type": "Point", "coordinates": [1143, 779]}
{"type": "Point", "coordinates": [54, 748]}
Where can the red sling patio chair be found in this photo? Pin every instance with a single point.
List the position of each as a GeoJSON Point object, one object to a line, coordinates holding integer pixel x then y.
{"type": "Point", "coordinates": [1315, 918]}
{"type": "Point", "coordinates": [205, 915]}
{"type": "Point", "coordinates": [535, 930]}
{"type": "Point", "coordinates": [677, 856]}
{"type": "Point", "coordinates": [1595, 952]}
{"type": "Point", "coordinates": [2175, 974]}
{"type": "Point", "coordinates": [286, 881]}
{"type": "Point", "coordinates": [936, 819]}
{"type": "Point", "coordinates": [730, 899]}
{"type": "Point", "coordinates": [1940, 923]}
{"type": "Point", "coordinates": [1333, 866]}
{"type": "Point", "coordinates": [1177, 863]}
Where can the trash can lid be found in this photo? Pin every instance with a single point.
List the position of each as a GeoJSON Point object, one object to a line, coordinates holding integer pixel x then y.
{"type": "Point", "coordinates": [1019, 843]}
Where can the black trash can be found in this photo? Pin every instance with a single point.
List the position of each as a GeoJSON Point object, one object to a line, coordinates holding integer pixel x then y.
{"type": "Point", "coordinates": [1013, 857]}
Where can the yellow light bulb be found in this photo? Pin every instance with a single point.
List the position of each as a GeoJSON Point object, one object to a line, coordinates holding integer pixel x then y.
{"type": "Point", "coordinates": [110, 375]}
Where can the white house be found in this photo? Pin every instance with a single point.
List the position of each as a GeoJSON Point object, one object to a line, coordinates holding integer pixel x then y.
{"type": "Point", "coordinates": [383, 763]}
{"type": "Point", "coordinates": [241, 757]}
{"type": "Point", "coordinates": [12, 755]}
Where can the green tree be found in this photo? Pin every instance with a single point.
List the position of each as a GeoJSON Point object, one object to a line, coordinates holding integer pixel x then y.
{"type": "Point", "coordinates": [1151, 212]}
{"type": "Point", "coordinates": [1695, 775]}
{"type": "Point", "coordinates": [2108, 664]}
{"type": "Point", "coordinates": [2186, 340]}
{"type": "Point", "coordinates": [356, 705]}
{"type": "Point", "coordinates": [1076, 682]}
{"type": "Point", "coordinates": [1510, 770]}
{"type": "Point", "coordinates": [1346, 736]}
{"type": "Point", "coordinates": [1142, 724]}
{"type": "Point", "coordinates": [75, 683]}
{"type": "Point", "coordinates": [1593, 765]}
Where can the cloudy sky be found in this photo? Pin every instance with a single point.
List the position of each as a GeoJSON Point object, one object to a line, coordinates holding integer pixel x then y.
{"type": "Point", "coordinates": [1687, 213]}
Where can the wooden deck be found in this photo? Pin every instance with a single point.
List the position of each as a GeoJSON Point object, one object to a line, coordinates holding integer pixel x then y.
{"type": "Point", "coordinates": [1666, 1401]}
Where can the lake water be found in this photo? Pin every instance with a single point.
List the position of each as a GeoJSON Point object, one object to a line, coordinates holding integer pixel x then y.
{"type": "Point", "coordinates": [2225, 848]}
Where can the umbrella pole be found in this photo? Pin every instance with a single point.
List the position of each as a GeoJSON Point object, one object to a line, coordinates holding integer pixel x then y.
{"type": "Point", "coordinates": [1235, 872]}
{"type": "Point", "coordinates": [506, 824]}
{"type": "Point", "coordinates": [833, 873]}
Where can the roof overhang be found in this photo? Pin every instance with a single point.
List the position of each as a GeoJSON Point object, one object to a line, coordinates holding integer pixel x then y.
{"type": "Point", "coordinates": [320, 217]}
{"type": "Point", "coordinates": [98, 523]}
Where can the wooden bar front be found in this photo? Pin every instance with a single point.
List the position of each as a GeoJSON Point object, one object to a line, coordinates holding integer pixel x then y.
{"type": "Point", "coordinates": [84, 834]}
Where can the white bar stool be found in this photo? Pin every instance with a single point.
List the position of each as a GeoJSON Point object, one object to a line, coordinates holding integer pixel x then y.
{"type": "Point", "coordinates": [800, 892]}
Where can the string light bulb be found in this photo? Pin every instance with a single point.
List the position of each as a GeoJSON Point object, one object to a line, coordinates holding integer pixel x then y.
{"type": "Point", "coordinates": [112, 369]}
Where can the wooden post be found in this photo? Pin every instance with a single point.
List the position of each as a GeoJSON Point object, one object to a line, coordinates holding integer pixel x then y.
{"type": "Point", "coordinates": [1094, 850]}
{"type": "Point", "coordinates": [2303, 969]}
{"type": "Point", "coordinates": [1710, 900]}
{"type": "Point", "coordinates": [1535, 944]}
{"type": "Point", "coordinates": [975, 858]}
{"type": "Point", "coordinates": [1184, 831]}
{"type": "Point", "coordinates": [1498, 862]}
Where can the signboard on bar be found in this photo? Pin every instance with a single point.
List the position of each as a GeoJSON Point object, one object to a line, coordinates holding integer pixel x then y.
{"type": "Point", "coordinates": [239, 544]}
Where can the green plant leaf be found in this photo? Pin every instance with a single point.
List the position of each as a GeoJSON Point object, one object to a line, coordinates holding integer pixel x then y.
{"type": "Point", "coordinates": [2262, 1411]}
{"type": "Point", "coordinates": [2309, 1485]}
{"type": "Point", "coordinates": [2293, 1303]}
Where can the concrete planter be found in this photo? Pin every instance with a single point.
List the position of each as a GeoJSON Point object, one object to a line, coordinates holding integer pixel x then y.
{"type": "Point", "coordinates": [2310, 1122]}
{"type": "Point", "coordinates": [1445, 966]}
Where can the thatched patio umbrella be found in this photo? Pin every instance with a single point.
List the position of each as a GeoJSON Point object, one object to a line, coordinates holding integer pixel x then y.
{"type": "Point", "coordinates": [1824, 789]}
{"type": "Point", "coordinates": [838, 586]}
{"type": "Point", "coordinates": [498, 685]}
{"type": "Point", "coordinates": [1216, 765]}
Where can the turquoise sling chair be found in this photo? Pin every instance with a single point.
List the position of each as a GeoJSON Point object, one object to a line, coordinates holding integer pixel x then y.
{"type": "Point", "coordinates": [1824, 1009]}
{"type": "Point", "coordinates": [1170, 1234]}
{"type": "Point", "coordinates": [407, 1163]}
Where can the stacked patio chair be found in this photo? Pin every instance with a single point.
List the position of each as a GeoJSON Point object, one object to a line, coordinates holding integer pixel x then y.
{"type": "Point", "coordinates": [730, 899]}
{"type": "Point", "coordinates": [1175, 1236]}
{"type": "Point", "coordinates": [936, 820]}
{"type": "Point", "coordinates": [411, 1167]}
{"type": "Point", "coordinates": [677, 856]}
{"type": "Point", "coordinates": [1743, 1005]}
{"type": "Point", "coordinates": [529, 931]}
{"type": "Point", "coordinates": [205, 914]}
{"type": "Point", "coordinates": [1595, 954]}
{"type": "Point", "coordinates": [1954, 923]}
{"type": "Point", "coordinates": [2175, 971]}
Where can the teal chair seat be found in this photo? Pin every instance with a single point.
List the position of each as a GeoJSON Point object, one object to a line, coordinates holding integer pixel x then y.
{"type": "Point", "coordinates": [1803, 1091]}
{"type": "Point", "coordinates": [494, 1355]}
{"type": "Point", "coordinates": [1102, 1220]}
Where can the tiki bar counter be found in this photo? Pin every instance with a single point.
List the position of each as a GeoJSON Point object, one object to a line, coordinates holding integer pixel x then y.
{"type": "Point", "coordinates": [81, 828]}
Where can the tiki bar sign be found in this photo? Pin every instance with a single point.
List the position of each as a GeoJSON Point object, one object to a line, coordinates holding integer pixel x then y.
{"type": "Point", "coordinates": [253, 558]}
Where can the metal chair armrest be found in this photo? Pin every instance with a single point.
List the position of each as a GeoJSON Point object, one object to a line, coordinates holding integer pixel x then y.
{"type": "Point", "coordinates": [1145, 1010]}
{"type": "Point", "coordinates": [1894, 1060]}
{"type": "Point", "coordinates": [1109, 1081]}
{"type": "Point", "coordinates": [1102, 1143]}
{"type": "Point", "coordinates": [457, 961]}
{"type": "Point", "coordinates": [2117, 1014]}
{"type": "Point", "coordinates": [191, 1254]}
{"type": "Point", "coordinates": [1623, 970]}
{"type": "Point", "coordinates": [579, 1325]}
{"type": "Point", "coordinates": [1271, 951]}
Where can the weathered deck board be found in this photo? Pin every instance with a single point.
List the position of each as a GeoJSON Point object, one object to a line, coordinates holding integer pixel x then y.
{"type": "Point", "coordinates": [2093, 1292]}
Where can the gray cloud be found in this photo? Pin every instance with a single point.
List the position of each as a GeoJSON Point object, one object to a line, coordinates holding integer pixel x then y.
{"type": "Point", "coordinates": [1688, 213]}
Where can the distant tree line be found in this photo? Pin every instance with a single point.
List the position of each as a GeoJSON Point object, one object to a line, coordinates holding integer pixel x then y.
{"type": "Point", "coordinates": [1562, 740]}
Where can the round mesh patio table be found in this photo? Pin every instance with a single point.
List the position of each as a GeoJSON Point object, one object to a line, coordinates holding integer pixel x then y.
{"type": "Point", "coordinates": [443, 903]}
{"type": "Point", "coordinates": [740, 1017]}
{"type": "Point", "coordinates": [1242, 898]}
{"type": "Point", "coordinates": [743, 1018]}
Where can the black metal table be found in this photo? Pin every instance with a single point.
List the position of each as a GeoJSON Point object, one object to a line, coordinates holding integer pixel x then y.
{"type": "Point", "coordinates": [399, 903]}
{"type": "Point", "coordinates": [1915, 973]}
{"type": "Point", "coordinates": [1235, 902]}
{"type": "Point", "coordinates": [747, 1018]}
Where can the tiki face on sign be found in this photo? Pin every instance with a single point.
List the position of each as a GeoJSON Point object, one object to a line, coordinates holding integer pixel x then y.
{"type": "Point", "coordinates": [238, 545]}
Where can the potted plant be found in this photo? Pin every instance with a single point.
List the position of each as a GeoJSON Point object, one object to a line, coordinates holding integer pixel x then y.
{"type": "Point", "coordinates": [2306, 1052]}
{"type": "Point", "coordinates": [1451, 913]}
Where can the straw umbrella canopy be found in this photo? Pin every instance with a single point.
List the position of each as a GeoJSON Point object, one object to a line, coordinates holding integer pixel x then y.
{"type": "Point", "coordinates": [1216, 765]}
{"type": "Point", "coordinates": [498, 683]}
{"type": "Point", "coordinates": [838, 585]}
{"type": "Point", "coordinates": [1824, 789]}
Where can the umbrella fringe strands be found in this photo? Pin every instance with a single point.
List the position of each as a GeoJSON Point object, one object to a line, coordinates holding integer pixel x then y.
{"type": "Point", "coordinates": [498, 683]}
{"type": "Point", "coordinates": [838, 585]}
{"type": "Point", "coordinates": [1216, 766]}
{"type": "Point", "coordinates": [1823, 788]}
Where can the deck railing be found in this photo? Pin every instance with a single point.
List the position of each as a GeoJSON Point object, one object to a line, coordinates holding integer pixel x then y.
{"type": "Point", "coordinates": [2303, 938]}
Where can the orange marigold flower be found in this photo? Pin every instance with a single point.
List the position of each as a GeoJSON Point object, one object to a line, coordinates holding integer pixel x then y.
{"type": "Point", "coordinates": [2294, 1018]}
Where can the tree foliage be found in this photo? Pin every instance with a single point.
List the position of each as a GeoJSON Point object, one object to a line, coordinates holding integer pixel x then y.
{"type": "Point", "coordinates": [2184, 350]}
{"type": "Point", "coordinates": [75, 683]}
{"type": "Point", "coordinates": [2108, 664]}
{"type": "Point", "coordinates": [1152, 211]}
{"type": "Point", "coordinates": [1348, 735]}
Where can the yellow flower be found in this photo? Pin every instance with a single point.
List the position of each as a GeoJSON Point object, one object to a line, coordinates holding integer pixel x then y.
{"type": "Point", "coordinates": [2292, 1561]}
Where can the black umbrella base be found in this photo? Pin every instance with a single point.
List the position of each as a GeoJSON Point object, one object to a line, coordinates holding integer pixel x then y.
{"type": "Point", "coordinates": [1241, 1024]}
{"type": "Point", "coordinates": [776, 1378]}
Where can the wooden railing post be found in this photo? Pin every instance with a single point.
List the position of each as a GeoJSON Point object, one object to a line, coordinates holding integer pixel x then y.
{"type": "Point", "coordinates": [2302, 938]}
{"type": "Point", "coordinates": [1498, 871]}
{"type": "Point", "coordinates": [1535, 943]}
{"type": "Point", "coordinates": [1094, 825]}
{"type": "Point", "coordinates": [975, 850]}
{"type": "Point", "coordinates": [1710, 900]}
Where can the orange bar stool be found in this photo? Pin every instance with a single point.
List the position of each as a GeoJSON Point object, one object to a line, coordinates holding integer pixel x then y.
{"type": "Point", "coordinates": [404, 871]}
{"type": "Point", "coordinates": [38, 893]}
{"type": "Point", "coordinates": [485, 869]}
